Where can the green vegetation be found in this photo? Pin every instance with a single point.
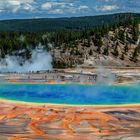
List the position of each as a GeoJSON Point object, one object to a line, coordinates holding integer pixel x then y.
{"type": "Point", "coordinates": [66, 34]}
{"type": "Point", "coordinates": [57, 24]}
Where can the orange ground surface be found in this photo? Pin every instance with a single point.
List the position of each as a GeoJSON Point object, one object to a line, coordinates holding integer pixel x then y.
{"type": "Point", "coordinates": [50, 122]}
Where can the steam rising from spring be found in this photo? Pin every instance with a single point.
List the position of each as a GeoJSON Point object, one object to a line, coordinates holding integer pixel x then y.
{"type": "Point", "coordinates": [104, 76]}
{"type": "Point", "coordinates": [40, 60]}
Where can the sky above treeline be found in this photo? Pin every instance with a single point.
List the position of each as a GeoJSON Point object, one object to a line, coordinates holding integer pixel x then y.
{"type": "Point", "coordinates": [14, 9]}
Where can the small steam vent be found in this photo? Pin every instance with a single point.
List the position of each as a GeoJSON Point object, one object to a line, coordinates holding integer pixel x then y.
{"type": "Point", "coordinates": [138, 45]}
{"type": "Point", "coordinates": [40, 48]}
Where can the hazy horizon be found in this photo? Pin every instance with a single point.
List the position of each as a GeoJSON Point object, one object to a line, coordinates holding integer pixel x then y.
{"type": "Point", "coordinates": [66, 16]}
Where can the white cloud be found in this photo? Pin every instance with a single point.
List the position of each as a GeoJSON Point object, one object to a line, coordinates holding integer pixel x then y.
{"type": "Point", "coordinates": [56, 11]}
{"type": "Point", "coordinates": [83, 7]}
{"type": "Point", "coordinates": [63, 7]}
{"type": "Point", "coordinates": [16, 5]}
{"type": "Point", "coordinates": [107, 8]}
{"type": "Point", "coordinates": [46, 6]}
{"type": "Point", "coordinates": [50, 5]}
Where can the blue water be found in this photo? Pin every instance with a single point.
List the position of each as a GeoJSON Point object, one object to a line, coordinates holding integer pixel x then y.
{"type": "Point", "coordinates": [72, 94]}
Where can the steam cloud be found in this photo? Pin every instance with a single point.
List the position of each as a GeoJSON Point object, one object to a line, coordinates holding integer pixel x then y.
{"type": "Point", "coordinates": [40, 60]}
{"type": "Point", "coordinates": [104, 76]}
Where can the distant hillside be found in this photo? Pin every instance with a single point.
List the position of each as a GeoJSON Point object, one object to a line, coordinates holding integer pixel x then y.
{"type": "Point", "coordinates": [109, 40]}
{"type": "Point", "coordinates": [56, 24]}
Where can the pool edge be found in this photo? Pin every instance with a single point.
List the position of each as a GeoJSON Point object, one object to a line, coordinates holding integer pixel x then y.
{"type": "Point", "coordinates": [67, 105]}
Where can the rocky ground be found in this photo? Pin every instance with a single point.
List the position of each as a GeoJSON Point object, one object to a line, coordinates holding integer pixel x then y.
{"type": "Point", "coordinates": [118, 48]}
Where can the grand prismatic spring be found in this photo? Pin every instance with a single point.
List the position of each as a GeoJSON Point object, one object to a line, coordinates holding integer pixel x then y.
{"type": "Point", "coordinates": [72, 94]}
{"type": "Point", "coordinates": [33, 107]}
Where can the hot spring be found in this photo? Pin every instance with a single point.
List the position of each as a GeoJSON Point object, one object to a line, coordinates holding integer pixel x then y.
{"type": "Point", "coordinates": [72, 94]}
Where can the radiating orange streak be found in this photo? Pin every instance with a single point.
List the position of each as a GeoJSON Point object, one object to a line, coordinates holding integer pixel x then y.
{"type": "Point", "coordinates": [37, 131]}
{"type": "Point", "coordinates": [22, 136]}
{"type": "Point", "coordinates": [73, 118]}
{"type": "Point", "coordinates": [2, 117]}
{"type": "Point", "coordinates": [33, 124]}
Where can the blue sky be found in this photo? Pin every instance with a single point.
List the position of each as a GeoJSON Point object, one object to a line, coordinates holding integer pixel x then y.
{"type": "Point", "coordinates": [11, 9]}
